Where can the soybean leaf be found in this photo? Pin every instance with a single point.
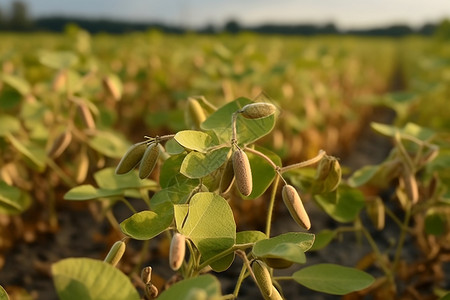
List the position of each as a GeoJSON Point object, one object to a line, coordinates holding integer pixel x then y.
{"type": "Point", "coordinates": [58, 60]}
{"type": "Point", "coordinates": [249, 236]}
{"type": "Point", "coordinates": [223, 263]}
{"type": "Point", "coordinates": [343, 205]}
{"type": "Point", "coordinates": [195, 140]}
{"type": "Point", "coordinates": [35, 153]}
{"type": "Point", "coordinates": [3, 294]}
{"type": "Point", "coordinates": [173, 148]}
{"type": "Point", "coordinates": [262, 172]}
{"type": "Point", "coordinates": [363, 175]}
{"type": "Point", "coordinates": [86, 278]}
{"type": "Point", "coordinates": [435, 223]}
{"type": "Point", "coordinates": [108, 179]}
{"type": "Point", "coordinates": [322, 239]}
{"type": "Point", "coordinates": [109, 144]}
{"type": "Point", "coordinates": [175, 194]}
{"type": "Point", "coordinates": [13, 200]}
{"type": "Point", "coordinates": [289, 246]}
{"type": "Point", "coordinates": [8, 125]}
{"type": "Point", "coordinates": [17, 83]}
{"type": "Point", "coordinates": [88, 192]}
{"type": "Point", "coordinates": [333, 279]}
{"type": "Point", "coordinates": [198, 165]}
{"type": "Point", "coordinates": [186, 289]}
{"type": "Point", "coordinates": [208, 222]}
{"type": "Point", "coordinates": [170, 169]}
{"type": "Point", "coordinates": [147, 224]}
{"type": "Point", "coordinates": [248, 130]}
{"type": "Point", "coordinates": [410, 129]}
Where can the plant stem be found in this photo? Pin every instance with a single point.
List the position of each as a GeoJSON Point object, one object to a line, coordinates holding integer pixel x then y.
{"type": "Point", "coordinates": [128, 205]}
{"type": "Point", "coordinates": [401, 240]}
{"type": "Point", "coordinates": [305, 163]}
{"type": "Point", "coordinates": [239, 281]}
{"type": "Point", "coordinates": [396, 220]}
{"type": "Point", "coordinates": [377, 252]}
{"type": "Point", "coordinates": [263, 156]}
{"type": "Point", "coordinates": [233, 128]}
{"type": "Point", "coordinates": [271, 205]}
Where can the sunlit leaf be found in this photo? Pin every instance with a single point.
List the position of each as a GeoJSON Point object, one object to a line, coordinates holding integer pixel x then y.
{"type": "Point", "coordinates": [89, 279]}
{"type": "Point", "coordinates": [195, 140]}
{"type": "Point", "coordinates": [186, 289]}
{"type": "Point", "coordinates": [8, 125]}
{"type": "Point", "coordinates": [58, 60]}
{"type": "Point", "coordinates": [209, 223]}
{"type": "Point", "coordinates": [88, 192]}
{"type": "Point", "coordinates": [35, 153]}
{"type": "Point", "coordinates": [13, 200]}
{"type": "Point", "coordinates": [3, 294]}
{"type": "Point", "coordinates": [109, 143]}
{"type": "Point", "coordinates": [17, 83]}
{"type": "Point", "coordinates": [250, 236]}
{"type": "Point", "coordinates": [108, 179]}
{"type": "Point", "coordinates": [248, 130]}
{"type": "Point", "coordinates": [147, 224]}
{"type": "Point", "coordinates": [322, 239]}
{"type": "Point", "coordinates": [333, 279]}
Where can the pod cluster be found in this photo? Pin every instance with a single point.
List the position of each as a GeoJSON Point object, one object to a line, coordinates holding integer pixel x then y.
{"type": "Point", "coordinates": [143, 154]}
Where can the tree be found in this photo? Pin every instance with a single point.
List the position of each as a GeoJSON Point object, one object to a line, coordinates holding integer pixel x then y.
{"type": "Point", "coordinates": [232, 26]}
{"type": "Point", "coordinates": [19, 16]}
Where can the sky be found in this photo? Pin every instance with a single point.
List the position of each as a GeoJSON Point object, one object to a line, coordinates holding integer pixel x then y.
{"type": "Point", "coordinates": [346, 14]}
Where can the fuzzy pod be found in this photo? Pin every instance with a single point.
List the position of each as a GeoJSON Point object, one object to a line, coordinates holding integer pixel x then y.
{"type": "Point", "coordinates": [146, 274]}
{"type": "Point", "coordinates": [258, 110]}
{"type": "Point", "coordinates": [112, 86]}
{"type": "Point", "coordinates": [227, 178]}
{"type": "Point", "coordinates": [328, 175]}
{"type": "Point", "coordinates": [242, 172]}
{"type": "Point", "coordinates": [376, 213]}
{"type": "Point", "coordinates": [196, 112]}
{"type": "Point", "coordinates": [149, 160]}
{"type": "Point", "coordinates": [115, 253]}
{"type": "Point", "coordinates": [60, 144]}
{"type": "Point", "coordinates": [131, 158]}
{"type": "Point", "coordinates": [177, 251]}
{"type": "Point", "coordinates": [295, 206]}
{"type": "Point", "coordinates": [411, 188]}
{"type": "Point", "coordinates": [275, 295]}
{"type": "Point", "coordinates": [262, 276]}
{"type": "Point", "coordinates": [86, 116]}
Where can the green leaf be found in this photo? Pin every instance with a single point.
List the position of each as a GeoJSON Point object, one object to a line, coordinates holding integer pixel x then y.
{"type": "Point", "coordinates": [17, 83]}
{"type": "Point", "coordinates": [209, 223]}
{"type": "Point", "coordinates": [8, 125]}
{"type": "Point", "coordinates": [435, 222]}
{"type": "Point", "coordinates": [58, 60]}
{"type": "Point", "coordinates": [223, 263]}
{"type": "Point", "coordinates": [288, 246]}
{"type": "Point", "coordinates": [333, 279]}
{"type": "Point", "coordinates": [445, 297]}
{"type": "Point", "coordinates": [88, 192]}
{"type": "Point", "coordinates": [3, 294]}
{"type": "Point", "coordinates": [108, 179]}
{"type": "Point", "coordinates": [250, 236]}
{"type": "Point", "coordinates": [175, 194]}
{"type": "Point", "coordinates": [89, 279]}
{"type": "Point", "coordinates": [33, 152]}
{"type": "Point", "coordinates": [198, 165]}
{"type": "Point", "coordinates": [13, 200]}
{"type": "Point", "coordinates": [147, 224]}
{"type": "Point", "coordinates": [109, 144]}
{"type": "Point", "coordinates": [363, 175]}
{"type": "Point", "coordinates": [410, 129]}
{"type": "Point", "coordinates": [173, 148]}
{"type": "Point", "coordinates": [322, 239]}
{"type": "Point", "coordinates": [170, 169]}
{"type": "Point", "coordinates": [248, 130]}
{"type": "Point", "coordinates": [262, 171]}
{"type": "Point", "coordinates": [195, 140]}
{"type": "Point", "coordinates": [184, 290]}
{"type": "Point", "coordinates": [343, 205]}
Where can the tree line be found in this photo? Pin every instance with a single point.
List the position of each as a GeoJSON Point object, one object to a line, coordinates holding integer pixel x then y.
{"type": "Point", "coordinates": [18, 19]}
